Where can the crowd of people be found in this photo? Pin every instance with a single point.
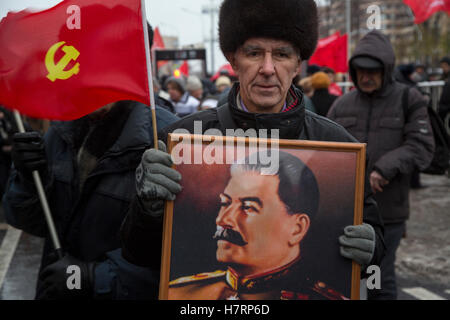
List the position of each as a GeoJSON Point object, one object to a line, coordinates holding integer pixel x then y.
{"type": "Point", "coordinates": [186, 95]}
{"type": "Point", "coordinates": [104, 178]}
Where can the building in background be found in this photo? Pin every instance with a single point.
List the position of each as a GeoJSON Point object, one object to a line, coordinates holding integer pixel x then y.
{"type": "Point", "coordinates": [425, 43]}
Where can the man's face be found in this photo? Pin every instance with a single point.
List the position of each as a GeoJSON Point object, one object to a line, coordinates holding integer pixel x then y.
{"type": "Point", "coordinates": [174, 93]}
{"type": "Point", "coordinates": [332, 76]}
{"type": "Point", "coordinates": [445, 67]}
{"type": "Point", "coordinates": [263, 235]}
{"type": "Point", "coordinates": [369, 80]}
{"type": "Point", "coordinates": [198, 94]}
{"type": "Point", "coordinates": [222, 88]}
{"type": "Point", "coordinates": [265, 68]}
{"type": "Point", "coordinates": [420, 70]}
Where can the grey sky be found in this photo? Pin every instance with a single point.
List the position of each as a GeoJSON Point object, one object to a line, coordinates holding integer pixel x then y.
{"type": "Point", "coordinates": [182, 18]}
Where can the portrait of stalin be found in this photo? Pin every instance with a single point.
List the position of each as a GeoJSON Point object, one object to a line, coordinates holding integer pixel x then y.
{"type": "Point", "coordinates": [259, 229]}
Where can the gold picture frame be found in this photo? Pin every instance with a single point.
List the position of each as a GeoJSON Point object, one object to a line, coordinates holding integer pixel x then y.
{"type": "Point", "coordinates": [188, 256]}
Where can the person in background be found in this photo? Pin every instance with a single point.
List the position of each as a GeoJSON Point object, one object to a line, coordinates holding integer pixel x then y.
{"type": "Point", "coordinates": [311, 69]}
{"type": "Point", "coordinates": [420, 73]}
{"type": "Point", "coordinates": [208, 87]}
{"type": "Point", "coordinates": [322, 99]}
{"type": "Point", "coordinates": [305, 85]}
{"type": "Point", "coordinates": [160, 100]}
{"type": "Point", "coordinates": [405, 73]}
{"type": "Point", "coordinates": [333, 89]}
{"type": "Point", "coordinates": [397, 143]}
{"type": "Point", "coordinates": [223, 83]}
{"type": "Point", "coordinates": [87, 169]}
{"type": "Point", "coordinates": [444, 102]}
{"type": "Point", "coordinates": [209, 102]}
{"type": "Point", "coordinates": [195, 87]}
{"type": "Point", "coordinates": [7, 129]}
{"type": "Point", "coordinates": [182, 101]}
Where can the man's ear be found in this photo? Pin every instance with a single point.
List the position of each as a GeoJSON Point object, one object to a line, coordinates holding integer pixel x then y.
{"type": "Point", "coordinates": [299, 228]}
{"type": "Point", "coordinates": [299, 68]}
{"type": "Point", "coordinates": [232, 60]}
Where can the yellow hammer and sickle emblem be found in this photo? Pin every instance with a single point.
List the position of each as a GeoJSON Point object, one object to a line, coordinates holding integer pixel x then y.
{"type": "Point", "coordinates": [56, 71]}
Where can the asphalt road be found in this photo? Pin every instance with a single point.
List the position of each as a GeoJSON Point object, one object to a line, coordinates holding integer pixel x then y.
{"type": "Point", "coordinates": [423, 259]}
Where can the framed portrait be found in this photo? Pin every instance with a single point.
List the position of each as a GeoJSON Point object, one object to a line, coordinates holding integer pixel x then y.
{"type": "Point", "coordinates": [259, 219]}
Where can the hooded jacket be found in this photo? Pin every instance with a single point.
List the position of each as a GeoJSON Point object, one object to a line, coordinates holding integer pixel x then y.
{"type": "Point", "coordinates": [142, 234]}
{"type": "Point", "coordinates": [396, 142]}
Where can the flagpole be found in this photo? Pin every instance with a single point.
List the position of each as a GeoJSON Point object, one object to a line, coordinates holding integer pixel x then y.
{"type": "Point", "coordinates": [348, 27]}
{"type": "Point", "coordinates": [42, 197]}
{"type": "Point", "coordinates": [149, 75]}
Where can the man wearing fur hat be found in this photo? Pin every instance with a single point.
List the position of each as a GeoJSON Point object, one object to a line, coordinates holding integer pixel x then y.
{"type": "Point", "coordinates": [265, 42]}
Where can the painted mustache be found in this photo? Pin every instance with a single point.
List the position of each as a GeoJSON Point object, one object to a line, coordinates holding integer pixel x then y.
{"type": "Point", "coordinates": [230, 236]}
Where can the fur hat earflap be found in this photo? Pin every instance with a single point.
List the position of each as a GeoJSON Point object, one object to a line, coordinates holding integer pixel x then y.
{"type": "Point", "coordinates": [295, 21]}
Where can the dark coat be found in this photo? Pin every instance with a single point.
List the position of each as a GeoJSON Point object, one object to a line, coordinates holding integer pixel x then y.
{"type": "Point", "coordinates": [396, 146]}
{"type": "Point", "coordinates": [322, 101]}
{"type": "Point", "coordinates": [142, 234]}
{"type": "Point", "coordinates": [444, 102]}
{"type": "Point", "coordinates": [88, 221]}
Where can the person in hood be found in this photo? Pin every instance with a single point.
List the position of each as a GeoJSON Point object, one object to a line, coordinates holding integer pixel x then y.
{"type": "Point", "coordinates": [322, 99]}
{"type": "Point", "coordinates": [265, 43]}
{"type": "Point", "coordinates": [397, 143]}
{"type": "Point", "coordinates": [444, 101]}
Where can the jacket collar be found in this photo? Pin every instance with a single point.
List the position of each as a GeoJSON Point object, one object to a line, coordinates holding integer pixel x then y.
{"type": "Point", "coordinates": [289, 123]}
{"type": "Point", "coordinates": [259, 282]}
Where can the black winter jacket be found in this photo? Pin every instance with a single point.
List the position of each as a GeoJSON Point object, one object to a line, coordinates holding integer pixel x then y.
{"type": "Point", "coordinates": [142, 234]}
{"type": "Point", "coordinates": [88, 220]}
{"type": "Point", "coordinates": [397, 143]}
{"type": "Point", "coordinates": [322, 101]}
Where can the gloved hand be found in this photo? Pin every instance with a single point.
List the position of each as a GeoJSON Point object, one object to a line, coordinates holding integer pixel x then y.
{"type": "Point", "coordinates": [358, 243]}
{"type": "Point", "coordinates": [54, 280]}
{"type": "Point", "coordinates": [156, 181]}
{"type": "Point", "coordinates": [28, 153]}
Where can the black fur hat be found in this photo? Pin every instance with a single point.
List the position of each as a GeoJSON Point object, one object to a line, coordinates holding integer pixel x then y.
{"type": "Point", "coordinates": [295, 21]}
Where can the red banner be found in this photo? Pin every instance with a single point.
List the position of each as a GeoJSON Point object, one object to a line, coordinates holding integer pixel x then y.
{"type": "Point", "coordinates": [331, 52]}
{"type": "Point", "coordinates": [184, 68]}
{"type": "Point", "coordinates": [423, 9]}
{"type": "Point", "coordinates": [158, 42]}
{"type": "Point", "coordinates": [69, 60]}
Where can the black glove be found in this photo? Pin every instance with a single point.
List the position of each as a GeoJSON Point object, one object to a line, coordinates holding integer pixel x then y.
{"type": "Point", "coordinates": [28, 153]}
{"type": "Point", "coordinates": [56, 279]}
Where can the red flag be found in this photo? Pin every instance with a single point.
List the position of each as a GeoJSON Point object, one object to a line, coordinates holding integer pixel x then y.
{"type": "Point", "coordinates": [331, 52]}
{"type": "Point", "coordinates": [158, 42]}
{"type": "Point", "coordinates": [184, 68]}
{"type": "Point", "coordinates": [340, 54]}
{"type": "Point", "coordinates": [67, 61]}
{"type": "Point", "coordinates": [423, 9]}
{"type": "Point", "coordinates": [225, 69]}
